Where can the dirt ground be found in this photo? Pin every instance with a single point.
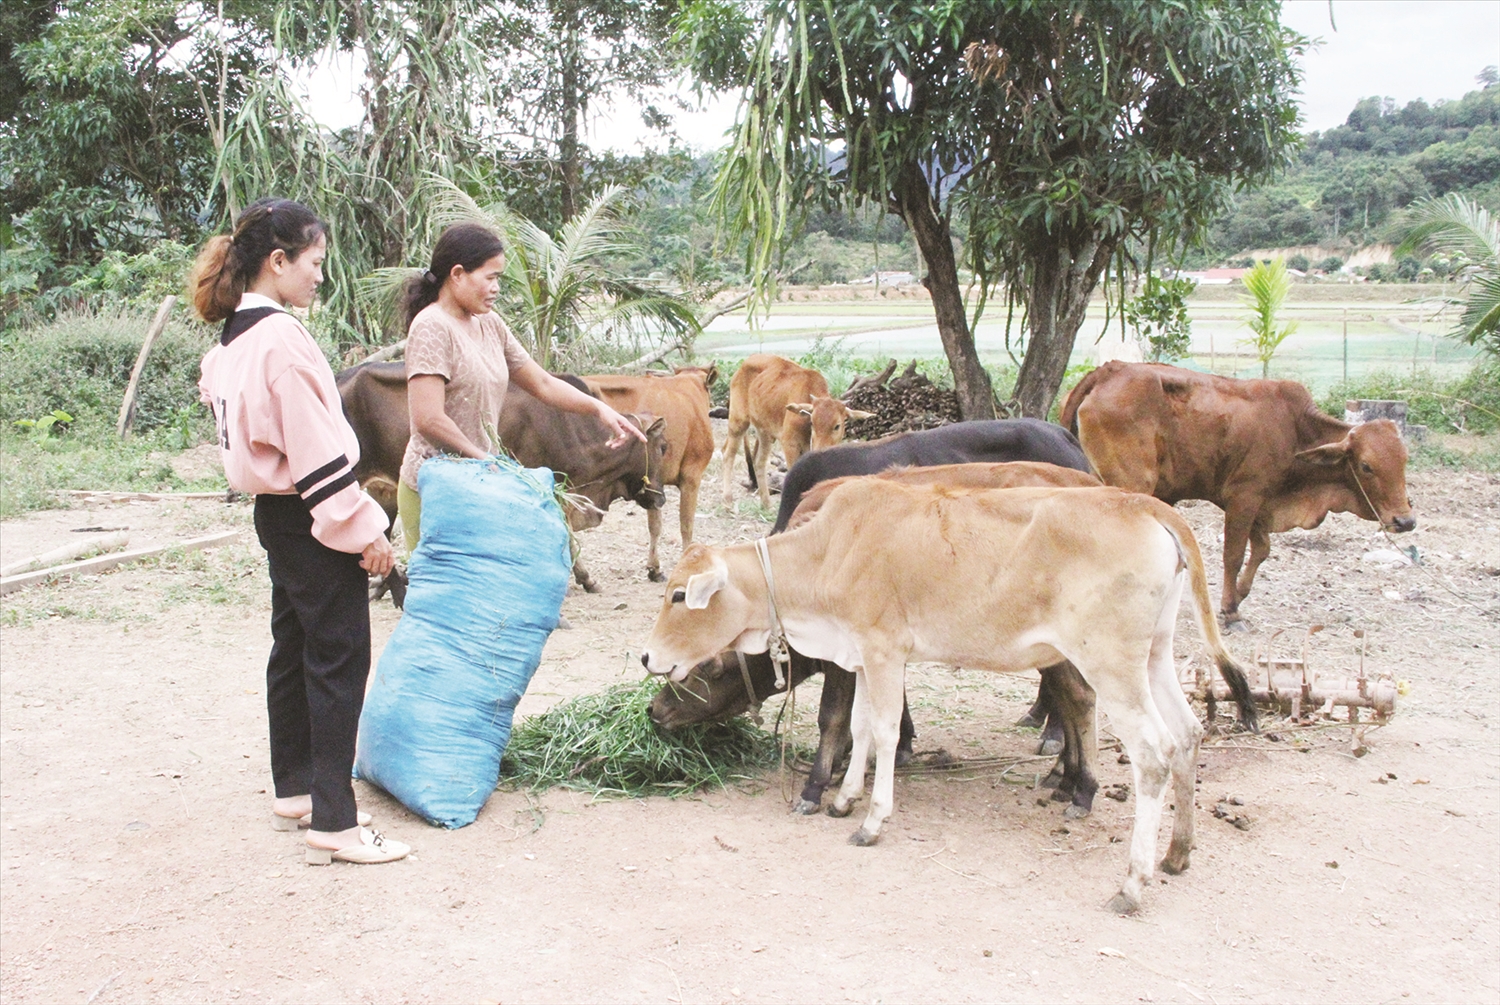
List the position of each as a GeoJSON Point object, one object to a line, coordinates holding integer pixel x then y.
{"type": "Point", "coordinates": [137, 863]}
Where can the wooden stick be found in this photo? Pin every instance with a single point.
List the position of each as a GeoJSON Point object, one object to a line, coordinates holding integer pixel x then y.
{"type": "Point", "coordinates": [105, 562]}
{"type": "Point", "coordinates": [127, 406]}
{"type": "Point", "coordinates": [389, 352]}
{"type": "Point", "coordinates": [68, 553]}
{"type": "Point", "coordinates": [127, 496]}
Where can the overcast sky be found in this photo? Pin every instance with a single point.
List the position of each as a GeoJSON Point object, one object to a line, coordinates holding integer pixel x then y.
{"type": "Point", "coordinates": [1402, 49]}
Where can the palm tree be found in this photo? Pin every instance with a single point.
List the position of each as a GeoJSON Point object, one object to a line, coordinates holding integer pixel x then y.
{"type": "Point", "coordinates": [1268, 285]}
{"type": "Point", "coordinates": [562, 292]}
{"type": "Point", "coordinates": [1455, 226]}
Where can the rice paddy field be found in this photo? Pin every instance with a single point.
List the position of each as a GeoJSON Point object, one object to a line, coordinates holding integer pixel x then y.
{"type": "Point", "coordinates": [1343, 331]}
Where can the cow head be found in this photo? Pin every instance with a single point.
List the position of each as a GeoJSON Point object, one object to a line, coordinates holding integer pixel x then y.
{"type": "Point", "coordinates": [1374, 462]}
{"type": "Point", "coordinates": [647, 491]}
{"type": "Point", "coordinates": [715, 690]}
{"type": "Point", "coordinates": [702, 614]}
{"type": "Point", "coordinates": [828, 416]}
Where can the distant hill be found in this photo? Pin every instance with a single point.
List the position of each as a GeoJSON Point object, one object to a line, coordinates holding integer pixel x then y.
{"type": "Point", "coordinates": [1350, 186]}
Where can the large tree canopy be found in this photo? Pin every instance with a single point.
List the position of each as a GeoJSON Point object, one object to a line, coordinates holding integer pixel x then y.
{"type": "Point", "coordinates": [1054, 137]}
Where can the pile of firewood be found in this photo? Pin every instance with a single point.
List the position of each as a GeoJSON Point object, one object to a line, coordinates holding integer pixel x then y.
{"type": "Point", "coordinates": [908, 402]}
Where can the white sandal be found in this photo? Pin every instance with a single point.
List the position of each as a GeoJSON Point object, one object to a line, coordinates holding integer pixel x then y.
{"type": "Point", "coordinates": [374, 849]}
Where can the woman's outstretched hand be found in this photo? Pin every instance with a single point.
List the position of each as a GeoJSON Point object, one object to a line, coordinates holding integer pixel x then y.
{"type": "Point", "coordinates": [378, 558]}
{"type": "Point", "coordinates": [623, 428]}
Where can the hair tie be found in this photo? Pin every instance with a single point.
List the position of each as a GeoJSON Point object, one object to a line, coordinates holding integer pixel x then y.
{"type": "Point", "coordinates": [429, 278]}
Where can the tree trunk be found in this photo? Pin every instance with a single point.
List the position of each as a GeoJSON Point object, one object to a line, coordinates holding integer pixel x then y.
{"type": "Point", "coordinates": [976, 399]}
{"type": "Point", "coordinates": [1057, 302]}
{"type": "Point", "coordinates": [568, 152]}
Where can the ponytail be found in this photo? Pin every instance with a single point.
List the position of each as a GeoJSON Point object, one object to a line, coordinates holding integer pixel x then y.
{"type": "Point", "coordinates": [227, 265]}
{"type": "Point", "coordinates": [468, 245]}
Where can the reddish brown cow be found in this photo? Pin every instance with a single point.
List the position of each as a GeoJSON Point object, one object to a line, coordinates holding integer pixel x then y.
{"type": "Point", "coordinates": [786, 402]}
{"type": "Point", "coordinates": [1258, 449]}
{"type": "Point", "coordinates": [681, 400]}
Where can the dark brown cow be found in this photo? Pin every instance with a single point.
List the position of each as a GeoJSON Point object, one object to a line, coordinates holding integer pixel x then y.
{"type": "Point", "coordinates": [1258, 449]}
{"type": "Point", "coordinates": [573, 446]}
{"type": "Point", "coordinates": [682, 401]}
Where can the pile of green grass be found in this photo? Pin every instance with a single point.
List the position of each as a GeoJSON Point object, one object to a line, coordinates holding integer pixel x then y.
{"type": "Point", "coordinates": [606, 743]}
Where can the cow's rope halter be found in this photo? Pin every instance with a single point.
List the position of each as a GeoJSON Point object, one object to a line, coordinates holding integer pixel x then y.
{"type": "Point", "coordinates": [776, 642]}
{"type": "Point", "coordinates": [1412, 553]}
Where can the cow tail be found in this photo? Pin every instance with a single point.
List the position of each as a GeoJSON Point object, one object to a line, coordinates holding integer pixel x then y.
{"type": "Point", "coordinates": [750, 466]}
{"type": "Point", "coordinates": [1208, 623]}
{"type": "Point", "coordinates": [1067, 416]}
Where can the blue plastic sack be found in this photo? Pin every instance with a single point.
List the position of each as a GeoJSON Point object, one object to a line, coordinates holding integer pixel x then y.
{"type": "Point", "coordinates": [486, 588]}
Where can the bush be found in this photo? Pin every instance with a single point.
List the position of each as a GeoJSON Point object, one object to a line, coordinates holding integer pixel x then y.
{"type": "Point", "coordinates": [1469, 404]}
{"type": "Point", "coordinates": [81, 364]}
{"type": "Point", "coordinates": [1299, 262]}
{"type": "Point", "coordinates": [1332, 263]}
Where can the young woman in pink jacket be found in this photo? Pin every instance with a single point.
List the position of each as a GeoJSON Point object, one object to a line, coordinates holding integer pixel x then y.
{"type": "Point", "coordinates": [283, 438]}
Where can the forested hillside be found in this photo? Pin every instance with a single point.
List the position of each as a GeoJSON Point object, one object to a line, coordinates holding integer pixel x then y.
{"type": "Point", "coordinates": [1349, 185]}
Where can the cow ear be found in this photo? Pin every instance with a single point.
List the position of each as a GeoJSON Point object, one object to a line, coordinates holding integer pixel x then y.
{"type": "Point", "coordinates": [703, 585]}
{"type": "Point", "coordinates": [855, 413]}
{"type": "Point", "coordinates": [658, 424]}
{"type": "Point", "coordinates": [1327, 455]}
{"type": "Point", "coordinates": [712, 376]}
{"type": "Point", "coordinates": [805, 408]}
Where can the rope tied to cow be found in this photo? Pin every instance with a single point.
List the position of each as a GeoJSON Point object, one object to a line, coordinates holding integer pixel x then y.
{"type": "Point", "coordinates": [1411, 552]}
{"type": "Point", "coordinates": [776, 646]}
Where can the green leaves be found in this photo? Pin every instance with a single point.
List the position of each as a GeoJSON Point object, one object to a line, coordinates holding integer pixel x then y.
{"type": "Point", "coordinates": [1267, 284]}
{"type": "Point", "coordinates": [1464, 230]}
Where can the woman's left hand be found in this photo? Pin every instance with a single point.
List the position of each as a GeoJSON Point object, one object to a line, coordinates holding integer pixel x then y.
{"type": "Point", "coordinates": [623, 428]}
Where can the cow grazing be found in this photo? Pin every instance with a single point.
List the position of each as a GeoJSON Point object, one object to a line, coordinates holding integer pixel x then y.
{"type": "Point", "coordinates": [1258, 449]}
{"type": "Point", "coordinates": [575, 447]}
{"type": "Point", "coordinates": [998, 579]}
{"type": "Point", "coordinates": [781, 401]}
{"type": "Point", "coordinates": [681, 400]}
{"type": "Point", "coordinates": [717, 689]}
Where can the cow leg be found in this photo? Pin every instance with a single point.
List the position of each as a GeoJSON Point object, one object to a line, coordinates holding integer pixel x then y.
{"type": "Point", "coordinates": [882, 683]}
{"type": "Point", "coordinates": [653, 528]}
{"type": "Point", "coordinates": [732, 443]}
{"type": "Point", "coordinates": [1186, 733]}
{"type": "Point", "coordinates": [763, 443]}
{"type": "Point", "coordinates": [1126, 698]}
{"type": "Point", "coordinates": [581, 574]}
{"type": "Point", "coordinates": [687, 508]}
{"type": "Point", "coordinates": [859, 752]}
{"type": "Point", "coordinates": [1052, 739]}
{"type": "Point", "coordinates": [1260, 547]}
{"type": "Point", "coordinates": [1074, 701]}
{"type": "Point", "coordinates": [1237, 524]}
{"type": "Point", "coordinates": [833, 735]}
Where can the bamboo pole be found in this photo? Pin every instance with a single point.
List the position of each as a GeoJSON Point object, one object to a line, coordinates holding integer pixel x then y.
{"type": "Point", "coordinates": [105, 562]}
{"type": "Point", "coordinates": [127, 406]}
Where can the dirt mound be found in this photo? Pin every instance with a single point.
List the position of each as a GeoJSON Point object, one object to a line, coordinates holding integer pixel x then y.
{"type": "Point", "coordinates": [909, 402]}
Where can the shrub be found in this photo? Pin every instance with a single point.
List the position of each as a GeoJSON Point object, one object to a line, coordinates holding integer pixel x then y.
{"type": "Point", "coordinates": [1470, 403]}
{"type": "Point", "coordinates": [1332, 263]}
{"type": "Point", "coordinates": [81, 363]}
{"type": "Point", "coordinates": [1299, 262]}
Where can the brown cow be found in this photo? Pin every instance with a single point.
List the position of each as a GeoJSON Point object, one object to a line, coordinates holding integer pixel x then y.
{"type": "Point", "coordinates": [681, 400]}
{"type": "Point", "coordinates": [782, 401]}
{"type": "Point", "coordinates": [573, 446]}
{"type": "Point", "coordinates": [1258, 449]}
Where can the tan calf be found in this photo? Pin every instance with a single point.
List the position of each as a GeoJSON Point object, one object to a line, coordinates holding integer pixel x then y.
{"type": "Point", "coordinates": [682, 400]}
{"type": "Point", "coordinates": [782, 401]}
{"type": "Point", "coordinates": [998, 579]}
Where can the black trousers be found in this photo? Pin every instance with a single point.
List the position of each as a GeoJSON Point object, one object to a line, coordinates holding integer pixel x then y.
{"type": "Point", "coordinates": [320, 660]}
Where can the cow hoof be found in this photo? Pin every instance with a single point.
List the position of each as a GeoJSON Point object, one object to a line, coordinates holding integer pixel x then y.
{"type": "Point", "coordinates": [591, 587]}
{"type": "Point", "coordinates": [1235, 624]}
{"type": "Point", "coordinates": [1050, 748]}
{"type": "Point", "coordinates": [863, 838]}
{"type": "Point", "coordinates": [1075, 812]}
{"type": "Point", "coordinates": [1060, 795]}
{"type": "Point", "coordinates": [806, 807]}
{"type": "Point", "coordinates": [655, 575]}
{"type": "Point", "coordinates": [1030, 721]}
{"type": "Point", "coordinates": [1174, 864]}
{"type": "Point", "coordinates": [1123, 903]}
{"type": "Point", "coordinates": [834, 811]}
{"type": "Point", "coordinates": [903, 758]}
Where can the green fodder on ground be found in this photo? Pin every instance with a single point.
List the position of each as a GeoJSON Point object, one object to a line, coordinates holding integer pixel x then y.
{"type": "Point", "coordinates": [606, 743]}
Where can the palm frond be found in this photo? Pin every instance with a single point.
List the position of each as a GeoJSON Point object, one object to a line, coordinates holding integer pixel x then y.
{"type": "Point", "coordinates": [1453, 225]}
